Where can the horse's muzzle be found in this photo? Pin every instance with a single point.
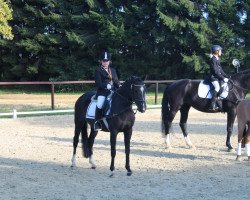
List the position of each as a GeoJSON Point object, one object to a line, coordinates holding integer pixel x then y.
{"type": "Point", "coordinates": [142, 107]}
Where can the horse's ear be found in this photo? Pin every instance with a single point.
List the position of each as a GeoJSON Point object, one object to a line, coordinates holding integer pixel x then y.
{"type": "Point", "coordinates": [145, 77]}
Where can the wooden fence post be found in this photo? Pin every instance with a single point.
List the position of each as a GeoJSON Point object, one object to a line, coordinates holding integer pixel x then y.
{"type": "Point", "coordinates": [52, 96]}
{"type": "Point", "coordinates": [156, 92]}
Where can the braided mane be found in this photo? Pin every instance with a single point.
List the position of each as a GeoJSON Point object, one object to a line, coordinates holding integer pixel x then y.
{"type": "Point", "coordinates": [247, 71]}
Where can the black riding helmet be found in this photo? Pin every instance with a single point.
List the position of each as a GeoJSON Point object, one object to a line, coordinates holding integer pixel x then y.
{"type": "Point", "coordinates": [215, 48]}
{"type": "Point", "coordinates": [105, 56]}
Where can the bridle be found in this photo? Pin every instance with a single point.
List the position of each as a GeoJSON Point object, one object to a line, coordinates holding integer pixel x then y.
{"type": "Point", "coordinates": [132, 88]}
{"type": "Point", "coordinates": [237, 86]}
{"type": "Point", "coordinates": [233, 91]}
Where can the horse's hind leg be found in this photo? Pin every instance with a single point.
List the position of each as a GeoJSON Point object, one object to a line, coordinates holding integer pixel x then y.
{"type": "Point", "coordinates": [241, 128]}
{"type": "Point", "coordinates": [91, 140]}
{"type": "Point", "coordinates": [247, 141]}
{"type": "Point", "coordinates": [183, 124]}
{"type": "Point", "coordinates": [168, 124]}
{"type": "Point", "coordinates": [78, 127]}
{"type": "Point", "coordinates": [127, 138]}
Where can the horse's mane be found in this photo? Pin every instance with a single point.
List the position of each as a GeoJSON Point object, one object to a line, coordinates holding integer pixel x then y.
{"type": "Point", "coordinates": [244, 72]}
{"type": "Point", "coordinates": [133, 79]}
{"type": "Point", "coordinates": [129, 81]}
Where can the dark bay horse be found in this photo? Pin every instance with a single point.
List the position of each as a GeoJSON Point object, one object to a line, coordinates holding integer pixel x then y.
{"type": "Point", "coordinates": [183, 94]}
{"type": "Point", "coordinates": [120, 119]}
{"type": "Point", "coordinates": [243, 116]}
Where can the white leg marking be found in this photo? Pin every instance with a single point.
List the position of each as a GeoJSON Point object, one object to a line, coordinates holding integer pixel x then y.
{"type": "Point", "coordinates": [91, 161]}
{"type": "Point", "coordinates": [73, 161]}
{"type": "Point", "coordinates": [167, 141]}
{"type": "Point", "coordinates": [248, 149]}
{"type": "Point", "coordinates": [112, 173]}
{"type": "Point", "coordinates": [188, 142]}
{"type": "Point", "coordinates": [239, 149]}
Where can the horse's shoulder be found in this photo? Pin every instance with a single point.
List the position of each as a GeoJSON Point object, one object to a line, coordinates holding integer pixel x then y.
{"type": "Point", "coordinates": [86, 96]}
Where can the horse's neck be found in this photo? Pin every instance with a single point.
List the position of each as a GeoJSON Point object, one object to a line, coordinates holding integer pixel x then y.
{"type": "Point", "coordinates": [243, 80]}
{"type": "Point", "coordinates": [121, 100]}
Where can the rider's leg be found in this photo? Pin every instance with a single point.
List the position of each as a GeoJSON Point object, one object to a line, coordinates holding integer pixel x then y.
{"type": "Point", "coordinates": [214, 93]}
{"type": "Point", "coordinates": [98, 112]}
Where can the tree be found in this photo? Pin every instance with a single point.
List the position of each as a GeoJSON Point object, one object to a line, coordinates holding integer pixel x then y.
{"type": "Point", "coordinates": [61, 40]}
{"type": "Point", "coordinates": [224, 19]}
{"type": "Point", "coordinates": [5, 16]}
{"type": "Point", "coordinates": [48, 44]}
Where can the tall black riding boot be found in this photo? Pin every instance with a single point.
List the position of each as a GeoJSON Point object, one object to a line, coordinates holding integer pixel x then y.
{"type": "Point", "coordinates": [98, 116]}
{"type": "Point", "coordinates": [213, 105]}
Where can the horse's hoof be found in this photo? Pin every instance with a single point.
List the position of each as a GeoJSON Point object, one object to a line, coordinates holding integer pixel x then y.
{"type": "Point", "coordinates": [129, 173]}
{"type": "Point", "coordinates": [238, 158]}
{"type": "Point", "coordinates": [93, 167]}
{"type": "Point", "coordinates": [192, 147]}
{"type": "Point", "coordinates": [230, 149]}
{"type": "Point", "coordinates": [112, 174]}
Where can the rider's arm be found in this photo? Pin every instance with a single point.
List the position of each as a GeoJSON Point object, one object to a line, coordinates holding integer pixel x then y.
{"type": "Point", "coordinates": [215, 69]}
{"type": "Point", "coordinates": [98, 80]}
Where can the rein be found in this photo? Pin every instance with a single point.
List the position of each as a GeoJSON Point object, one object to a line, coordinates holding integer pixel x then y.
{"type": "Point", "coordinates": [237, 96]}
{"type": "Point", "coordinates": [239, 87]}
{"type": "Point", "coordinates": [130, 102]}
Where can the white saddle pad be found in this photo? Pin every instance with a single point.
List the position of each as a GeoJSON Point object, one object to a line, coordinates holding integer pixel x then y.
{"type": "Point", "coordinates": [90, 114]}
{"type": "Point", "coordinates": [204, 90]}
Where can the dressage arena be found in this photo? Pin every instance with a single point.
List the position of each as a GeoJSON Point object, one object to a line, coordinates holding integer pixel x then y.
{"type": "Point", "coordinates": [35, 159]}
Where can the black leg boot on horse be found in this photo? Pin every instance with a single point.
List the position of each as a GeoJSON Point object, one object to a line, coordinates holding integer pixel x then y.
{"type": "Point", "coordinates": [213, 105]}
{"type": "Point", "coordinates": [98, 116]}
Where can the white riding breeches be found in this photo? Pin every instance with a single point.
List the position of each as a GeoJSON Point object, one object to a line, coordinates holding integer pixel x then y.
{"type": "Point", "coordinates": [216, 86]}
{"type": "Point", "coordinates": [100, 101]}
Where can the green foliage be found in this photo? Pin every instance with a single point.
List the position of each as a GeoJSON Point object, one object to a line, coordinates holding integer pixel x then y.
{"type": "Point", "coordinates": [62, 40]}
{"type": "Point", "coordinates": [5, 17]}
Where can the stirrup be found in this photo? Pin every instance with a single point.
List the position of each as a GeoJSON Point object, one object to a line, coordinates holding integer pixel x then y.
{"type": "Point", "coordinates": [97, 126]}
{"type": "Point", "coordinates": [213, 108]}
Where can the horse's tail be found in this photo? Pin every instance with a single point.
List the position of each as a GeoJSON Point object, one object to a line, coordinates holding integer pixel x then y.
{"type": "Point", "coordinates": [164, 109]}
{"type": "Point", "coordinates": [85, 141]}
{"type": "Point", "coordinates": [81, 125]}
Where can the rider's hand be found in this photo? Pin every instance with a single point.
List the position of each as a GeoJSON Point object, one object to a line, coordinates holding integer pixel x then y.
{"type": "Point", "coordinates": [225, 80]}
{"type": "Point", "coordinates": [109, 87]}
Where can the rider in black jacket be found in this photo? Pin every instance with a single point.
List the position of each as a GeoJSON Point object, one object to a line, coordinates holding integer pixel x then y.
{"type": "Point", "coordinates": [216, 74]}
{"type": "Point", "coordinates": [106, 79]}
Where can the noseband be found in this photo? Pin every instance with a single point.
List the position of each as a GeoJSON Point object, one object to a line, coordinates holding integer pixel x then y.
{"type": "Point", "coordinates": [133, 86]}
{"type": "Point", "coordinates": [125, 98]}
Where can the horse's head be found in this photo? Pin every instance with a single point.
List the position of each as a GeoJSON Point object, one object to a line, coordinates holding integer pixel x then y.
{"type": "Point", "coordinates": [242, 79]}
{"type": "Point", "coordinates": [137, 92]}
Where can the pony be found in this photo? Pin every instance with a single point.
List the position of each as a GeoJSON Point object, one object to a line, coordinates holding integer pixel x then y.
{"type": "Point", "coordinates": [121, 118]}
{"type": "Point", "coordinates": [243, 116]}
{"type": "Point", "coordinates": [182, 94]}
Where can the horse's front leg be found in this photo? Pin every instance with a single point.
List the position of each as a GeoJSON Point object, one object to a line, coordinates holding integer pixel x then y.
{"type": "Point", "coordinates": [230, 122]}
{"type": "Point", "coordinates": [186, 136]}
{"type": "Point", "coordinates": [247, 141]}
{"type": "Point", "coordinates": [127, 139]}
{"type": "Point", "coordinates": [113, 137]}
{"type": "Point", "coordinates": [183, 124]}
{"type": "Point", "coordinates": [91, 140]}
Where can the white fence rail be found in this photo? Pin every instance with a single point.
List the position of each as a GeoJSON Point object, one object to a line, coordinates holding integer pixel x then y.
{"type": "Point", "coordinates": [15, 113]}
